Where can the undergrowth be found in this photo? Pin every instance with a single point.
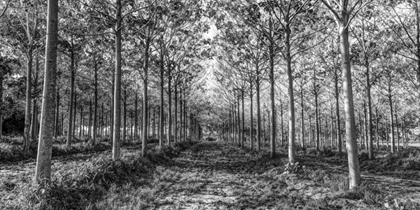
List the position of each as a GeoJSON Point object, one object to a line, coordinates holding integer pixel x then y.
{"type": "Point", "coordinates": [98, 183]}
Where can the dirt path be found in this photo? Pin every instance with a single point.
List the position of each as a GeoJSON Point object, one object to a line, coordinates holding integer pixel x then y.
{"type": "Point", "coordinates": [216, 176]}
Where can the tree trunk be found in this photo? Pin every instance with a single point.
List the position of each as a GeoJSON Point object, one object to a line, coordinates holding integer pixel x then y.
{"type": "Point", "coordinates": [352, 154]}
{"type": "Point", "coordinates": [302, 134]}
{"type": "Point", "coordinates": [258, 109]}
{"type": "Point", "coordinates": [95, 103]}
{"type": "Point", "coordinates": [71, 101]}
{"type": "Point", "coordinates": [26, 132]}
{"type": "Point", "coordinates": [243, 117]}
{"type": "Point", "coordinates": [175, 128]}
{"type": "Point", "coordinates": [272, 86]}
{"type": "Point", "coordinates": [81, 123]}
{"type": "Point", "coordinates": [239, 122]}
{"type": "Point", "coordinates": [74, 115]}
{"type": "Point", "coordinates": [43, 163]}
{"type": "Point", "coordinates": [169, 110]}
{"type": "Point", "coordinates": [391, 116]}
{"type": "Point", "coordinates": [317, 122]}
{"type": "Point", "coordinates": [35, 107]}
{"type": "Point", "coordinates": [292, 126]}
{"type": "Point", "coordinates": [161, 108]}
{"type": "Point", "coordinates": [337, 113]}
{"type": "Point", "coordinates": [57, 111]}
{"type": "Point", "coordinates": [125, 116]}
{"type": "Point", "coordinates": [397, 132]}
{"type": "Point", "coordinates": [90, 120]}
{"type": "Point", "coordinates": [117, 88]}
{"type": "Point", "coordinates": [136, 123]}
{"type": "Point", "coordinates": [377, 128]}
{"type": "Point", "coordinates": [369, 110]}
{"type": "Point", "coordinates": [1, 106]}
{"type": "Point", "coordinates": [251, 127]}
{"type": "Point", "coordinates": [145, 97]}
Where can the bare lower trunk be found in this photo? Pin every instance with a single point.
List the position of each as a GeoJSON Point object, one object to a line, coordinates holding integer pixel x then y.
{"type": "Point", "coordinates": [26, 132]}
{"type": "Point", "coordinates": [352, 153]}
{"type": "Point", "coordinates": [71, 101]}
{"type": "Point", "coordinates": [116, 124]}
{"type": "Point", "coordinates": [145, 97]}
{"type": "Point", "coordinates": [43, 162]}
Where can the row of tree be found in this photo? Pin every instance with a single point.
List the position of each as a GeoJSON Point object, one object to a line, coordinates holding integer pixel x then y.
{"type": "Point", "coordinates": [152, 44]}
{"type": "Point", "coordinates": [295, 49]}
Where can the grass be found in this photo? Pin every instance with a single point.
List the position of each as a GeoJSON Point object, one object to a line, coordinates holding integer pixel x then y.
{"type": "Point", "coordinates": [97, 183]}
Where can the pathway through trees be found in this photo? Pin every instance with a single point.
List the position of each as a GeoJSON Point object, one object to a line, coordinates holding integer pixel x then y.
{"type": "Point", "coordinates": [222, 176]}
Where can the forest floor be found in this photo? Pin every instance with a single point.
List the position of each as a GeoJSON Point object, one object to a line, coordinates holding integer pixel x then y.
{"type": "Point", "coordinates": [212, 175]}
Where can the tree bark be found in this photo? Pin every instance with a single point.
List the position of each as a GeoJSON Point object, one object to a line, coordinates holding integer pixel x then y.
{"type": "Point", "coordinates": [391, 118]}
{"type": "Point", "coordinates": [251, 127]}
{"type": "Point", "coordinates": [352, 153]}
{"type": "Point", "coordinates": [71, 101]}
{"type": "Point", "coordinates": [117, 88]}
{"type": "Point", "coordinates": [273, 103]}
{"type": "Point", "coordinates": [125, 116]}
{"type": "Point", "coordinates": [337, 113]}
{"type": "Point", "coordinates": [43, 163]}
{"type": "Point", "coordinates": [162, 83]}
{"type": "Point", "coordinates": [169, 134]}
{"type": "Point", "coordinates": [26, 132]}
{"type": "Point", "coordinates": [95, 103]}
{"type": "Point", "coordinates": [145, 97]}
{"type": "Point", "coordinates": [258, 109]}
{"type": "Point", "coordinates": [1, 106]}
{"type": "Point", "coordinates": [302, 119]}
{"type": "Point", "coordinates": [243, 117]}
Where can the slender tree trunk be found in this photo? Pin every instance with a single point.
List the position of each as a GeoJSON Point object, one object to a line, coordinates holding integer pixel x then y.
{"type": "Point", "coordinates": [74, 115]}
{"type": "Point", "coordinates": [281, 123]}
{"type": "Point", "coordinates": [136, 112]}
{"type": "Point", "coordinates": [272, 86]}
{"type": "Point", "coordinates": [145, 96]}
{"type": "Point", "coordinates": [90, 120]}
{"type": "Point", "coordinates": [243, 117]}
{"type": "Point", "coordinates": [169, 110]}
{"type": "Point", "coordinates": [337, 113]}
{"type": "Point", "coordinates": [57, 111]}
{"type": "Point", "coordinates": [317, 143]}
{"type": "Point", "coordinates": [26, 132]}
{"type": "Point", "coordinates": [391, 116]}
{"type": "Point", "coordinates": [162, 83]}
{"type": "Point", "coordinates": [310, 131]}
{"type": "Point", "coordinates": [95, 103]}
{"type": "Point", "coordinates": [377, 128]}
{"type": "Point", "coordinates": [81, 128]}
{"type": "Point", "coordinates": [1, 106]}
{"type": "Point", "coordinates": [117, 88]}
{"type": "Point", "coordinates": [352, 154]}
{"type": "Point", "coordinates": [258, 110]}
{"type": "Point", "coordinates": [239, 122]}
{"type": "Point", "coordinates": [302, 119]}
{"type": "Point", "coordinates": [175, 128]}
{"type": "Point", "coordinates": [292, 126]}
{"type": "Point", "coordinates": [397, 132]}
{"type": "Point", "coordinates": [43, 163]}
{"type": "Point", "coordinates": [35, 106]}
{"type": "Point", "coordinates": [125, 116]}
{"type": "Point", "coordinates": [71, 101]}
{"type": "Point", "coordinates": [251, 95]}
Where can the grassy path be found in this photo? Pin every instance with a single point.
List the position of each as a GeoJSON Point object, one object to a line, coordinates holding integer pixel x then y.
{"type": "Point", "coordinates": [218, 176]}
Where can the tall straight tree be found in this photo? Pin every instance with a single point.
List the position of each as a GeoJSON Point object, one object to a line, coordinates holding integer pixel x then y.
{"type": "Point", "coordinates": [343, 12]}
{"type": "Point", "coordinates": [117, 88]}
{"type": "Point", "coordinates": [43, 162]}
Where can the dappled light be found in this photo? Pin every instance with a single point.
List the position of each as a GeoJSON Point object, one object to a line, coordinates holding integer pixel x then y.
{"type": "Point", "coordinates": [199, 104]}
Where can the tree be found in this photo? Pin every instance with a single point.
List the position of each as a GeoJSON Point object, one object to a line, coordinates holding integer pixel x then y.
{"type": "Point", "coordinates": [43, 162]}
{"type": "Point", "coordinates": [343, 11]}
